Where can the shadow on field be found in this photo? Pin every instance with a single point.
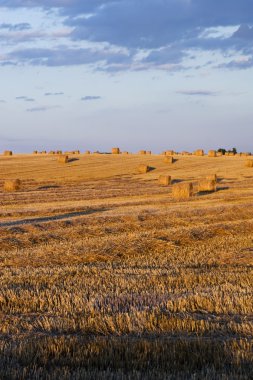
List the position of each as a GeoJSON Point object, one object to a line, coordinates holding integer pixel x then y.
{"type": "Point", "coordinates": [49, 187]}
{"type": "Point", "coordinates": [73, 159]}
{"type": "Point", "coordinates": [46, 219]}
{"type": "Point", "coordinates": [178, 180]}
{"type": "Point", "coordinates": [124, 358]}
{"type": "Point", "coordinates": [222, 188]}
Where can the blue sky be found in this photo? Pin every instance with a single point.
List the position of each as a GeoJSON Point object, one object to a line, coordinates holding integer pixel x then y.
{"type": "Point", "coordinates": [154, 74]}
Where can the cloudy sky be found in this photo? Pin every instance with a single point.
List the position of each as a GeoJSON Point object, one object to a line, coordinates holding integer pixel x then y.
{"type": "Point", "coordinates": [155, 74]}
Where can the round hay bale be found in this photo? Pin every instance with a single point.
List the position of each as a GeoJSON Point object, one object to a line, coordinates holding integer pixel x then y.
{"type": "Point", "coordinates": [206, 185]}
{"type": "Point", "coordinates": [249, 163]}
{"type": "Point", "coordinates": [219, 154]}
{"type": "Point", "coordinates": [35, 152]}
{"type": "Point", "coordinates": [63, 159]}
{"type": "Point", "coordinates": [168, 160]}
{"type": "Point", "coordinates": [142, 152]}
{"type": "Point", "coordinates": [88, 152]}
{"type": "Point", "coordinates": [212, 153]}
{"type": "Point", "coordinates": [115, 151]}
{"type": "Point", "coordinates": [169, 152]}
{"type": "Point", "coordinates": [182, 190]}
{"type": "Point", "coordinates": [12, 185]}
{"type": "Point", "coordinates": [143, 169]}
{"type": "Point", "coordinates": [8, 153]}
{"type": "Point", "coordinates": [199, 152]}
{"type": "Point", "coordinates": [212, 177]}
{"type": "Point", "coordinates": [164, 180]}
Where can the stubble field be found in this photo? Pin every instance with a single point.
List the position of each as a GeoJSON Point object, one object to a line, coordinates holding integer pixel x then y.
{"type": "Point", "coordinates": [104, 276]}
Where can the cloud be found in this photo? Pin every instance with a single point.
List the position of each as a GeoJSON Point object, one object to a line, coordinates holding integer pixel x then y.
{"type": "Point", "coordinates": [90, 97]}
{"type": "Point", "coordinates": [42, 108]}
{"type": "Point", "coordinates": [197, 92]}
{"type": "Point", "coordinates": [25, 98]}
{"type": "Point", "coordinates": [65, 56]}
{"type": "Point", "coordinates": [16, 27]}
{"type": "Point", "coordinates": [148, 34]}
{"type": "Point", "coordinates": [53, 93]}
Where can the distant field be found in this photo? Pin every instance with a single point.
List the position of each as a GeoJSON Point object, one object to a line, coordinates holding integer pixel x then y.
{"type": "Point", "coordinates": [105, 276]}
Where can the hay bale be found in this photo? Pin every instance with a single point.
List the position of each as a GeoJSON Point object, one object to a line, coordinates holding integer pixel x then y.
{"type": "Point", "coordinates": [59, 152]}
{"type": "Point", "coordinates": [168, 160]}
{"type": "Point", "coordinates": [212, 153]}
{"type": "Point", "coordinates": [115, 151]}
{"type": "Point", "coordinates": [249, 163]}
{"type": "Point", "coordinates": [77, 152]}
{"type": "Point", "coordinates": [143, 168]}
{"type": "Point", "coordinates": [148, 152]}
{"type": "Point", "coordinates": [182, 190]}
{"type": "Point", "coordinates": [199, 152]}
{"type": "Point", "coordinates": [231, 154]}
{"type": "Point", "coordinates": [88, 152]}
{"type": "Point", "coordinates": [51, 152]}
{"type": "Point", "coordinates": [169, 152]}
{"type": "Point", "coordinates": [142, 152]}
{"type": "Point", "coordinates": [165, 180]}
{"type": "Point", "coordinates": [44, 152]}
{"type": "Point", "coordinates": [7, 153]}
{"type": "Point", "coordinates": [226, 154]}
{"type": "Point", "coordinates": [125, 153]}
{"type": "Point", "coordinates": [35, 152]}
{"type": "Point", "coordinates": [206, 185]}
{"type": "Point", "coordinates": [12, 185]}
{"type": "Point", "coordinates": [63, 159]}
{"type": "Point", "coordinates": [212, 177]}
{"type": "Point", "coordinates": [219, 154]}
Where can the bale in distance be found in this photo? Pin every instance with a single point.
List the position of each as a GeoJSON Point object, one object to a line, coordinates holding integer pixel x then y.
{"type": "Point", "coordinates": [249, 163]}
{"type": "Point", "coordinates": [168, 160]}
{"type": "Point", "coordinates": [143, 169]}
{"type": "Point", "coordinates": [142, 152]}
{"type": "Point", "coordinates": [35, 152]}
{"type": "Point", "coordinates": [63, 159]}
{"type": "Point", "coordinates": [125, 153]}
{"type": "Point", "coordinates": [164, 180]}
{"type": "Point", "coordinates": [169, 152]}
{"type": "Point", "coordinates": [206, 185]}
{"type": "Point", "coordinates": [212, 153]}
{"type": "Point", "coordinates": [115, 151]}
{"type": "Point", "coordinates": [199, 152]}
{"type": "Point", "coordinates": [219, 154]}
{"type": "Point", "coordinates": [182, 190]}
{"type": "Point", "coordinates": [8, 153]}
{"type": "Point", "coordinates": [148, 152]}
{"type": "Point", "coordinates": [12, 185]}
{"type": "Point", "coordinates": [88, 152]}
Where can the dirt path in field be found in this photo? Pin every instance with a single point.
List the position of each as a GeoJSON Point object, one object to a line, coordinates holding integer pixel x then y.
{"type": "Point", "coordinates": [45, 219]}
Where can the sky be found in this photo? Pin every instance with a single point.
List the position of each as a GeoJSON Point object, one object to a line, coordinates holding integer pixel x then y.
{"type": "Point", "coordinates": [138, 74]}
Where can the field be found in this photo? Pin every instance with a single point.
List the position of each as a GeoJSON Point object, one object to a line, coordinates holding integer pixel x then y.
{"type": "Point", "coordinates": [105, 276]}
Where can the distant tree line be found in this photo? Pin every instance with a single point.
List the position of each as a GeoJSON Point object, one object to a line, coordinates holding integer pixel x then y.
{"type": "Point", "coordinates": [223, 150]}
